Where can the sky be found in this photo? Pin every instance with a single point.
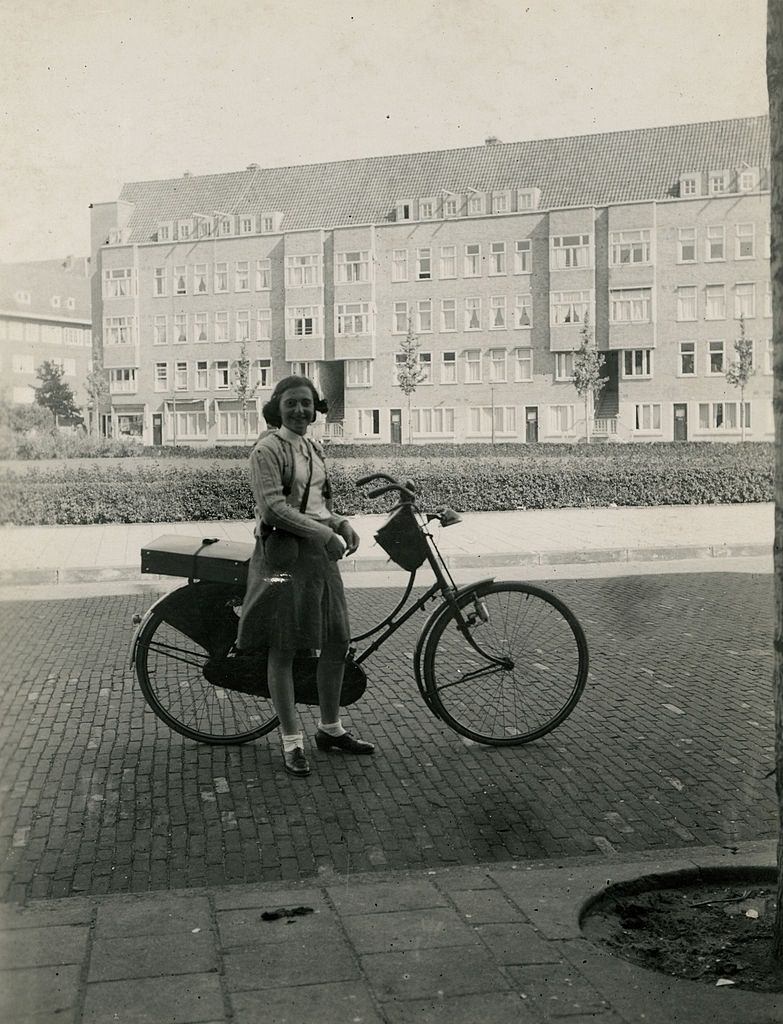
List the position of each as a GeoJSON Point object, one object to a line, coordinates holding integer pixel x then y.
{"type": "Point", "coordinates": [94, 93]}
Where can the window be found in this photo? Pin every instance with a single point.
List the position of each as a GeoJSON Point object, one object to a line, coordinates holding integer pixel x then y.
{"type": "Point", "coordinates": [190, 424]}
{"type": "Point", "coordinates": [448, 262]}
{"type": "Point", "coordinates": [769, 362]}
{"type": "Point", "coordinates": [165, 231]}
{"type": "Point", "coordinates": [472, 366]}
{"type": "Point", "coordinates": [72, 336]}
{"type": "Point", "coordinates": [264, 373]}
{"type": "Point", "coordinates": [497, 365]}
{"type": "Point", "coordinates": [523, 261]}
{"type": "Point", "coordinates": [423, 264]}
{"type": "Point", "coordinates": [246, 225]}
{"type": "Point", "coordinates": [55, 302]}
{"type": "Point", "coordinates": [23, 364]}
{"type": "Point", "coordinates": [745, 244]}
{"type": "Point", "coordinates": [424, 316]}
{"type": "Point", "coordinates": [487, 420]}
{"type": "Point", "coordinates": [358, 373]}
{"type": "Point", "coordinates": [200, 326]}
{"type": "Point", "coordinates": [432, 421]}
{"type": "Point", "coordinates": [448, 315]}
{"type": "Point", "coordinates": [648, 418]}
{"type": "Point", "coordinates": [686, 302]}
{"type": "Point", "coordinates": [689, 186]}
{"type": "Point", "coordinates": [400, 320]}
{"type": "Point", "coordinates": [267, 224]}
{"type": "Point", "coordinates": [243, 325]}
{"type": "Point", "coordinates": [724, 415]}
{"type": "Point", "coordinates": [241, 276]}
{"type": "Point", "coordinates": [399, 264]}
{"type": "Point", "coordinates": [715, 351]}
{"type": "Point", "coordinates": [180, 328]}
{"type": "Point", "coordinates": [448, 368]}
{"type": "Point", "coordinates": [221, 326]}
{"type": "Point", "coordinates": [225, 226]}
{"type": "Point", "coordinates": [472, 262]}
{"type": "Point", "coordinates": [221, 374]}
{"type": "Point", "coordinates": [302, 271]}
{"type": "Point", "coordinates": [561, 419]}
{"type": "Point", "coordinates": [523, 364]}
{"type": "Point", "coordinates": [451, 206]}
{"type": "Point", "coordinates": [180, 376]}
{"type": "Point", "coordinates": [497, 258]}
{"type": "Point", "coordinates": [473, 314]}
{"type": "Point", "coordinates": [687, 363]}
{"type": "Point", "coordinates": [637, 362]}
{"type": "Point", "coordinates": [263, 275]}
{"type": "Point", "coordinates": [500, 202]}
{"type": "Point", "coordinates": [497, 313]}
{"type": "Point", "coordinates": [368, 422]}
{"type": "Point", "coordinates": [161, 376]}
{"type": "Point", "coordinates": [570, 251]}
{"type": "Point", "coordinates": [159, 282]}
{"type": "Point", "coordinates": [686, 245]}
{"type": "Point", "coordinates": [70, 303]}
{"type": "Point", "coordinates": [353, 266]}
{"type": "Point", "coordinates": [747, 181]}
{"type": "Point", "coordinates": [118, 330]}
{"type": "Point", "coordinates": [264, 325]}
{"type": "Point", "coordinates": [236, 423]}
{"type": "Point", "coordinates": [629, 247]}
{"type": "Point", "coordinates": [22, 296]}
{"type": "Point", "coordinates": [744, 300]}
{"type": "Point", "coordinates": [475, 204]}
{"type": "Point", "coordinates": [715, 302]}
{"type": "Point", "coordinates": [200, 279]}
{"type": "Point", "coordinates": [303, 321]}
{"type": "Point", "coordinates": [180, 281]}
{"type": "Point", "coordinates": [523, 311]}
{"type": "Point", "coordinates": [630, 305]}
{"type": "Point", "coordinates": [69, 367]}
{"type": "Point", "coordinates": [353, 318]}
{"type": "Point", "coordinates": [768, 298]}
{"type": "Point", "coordinates": [426, 209]}
{"type": "Point", "coordinates": [221, 277]}
{"type": "Point", "coordinates": [202, 376]}
{"type": "Point", "coordinates": [564, 365]}
{"type": "Point", "coordinates": [717, 182]}
{"type": "Point", "coordinates": [159, 330]}
{"type": "Point", "coordinates": [399, 367]}
{"type": "Point", "coordinates": [117, 284]}
{"type": "Point", "coordinates": [570, 307]}
{"type": "Point", "coordinates": [766, 243]}
{"type": "Point", "coordinates": [425, 365]}
{"type": "Point", "coordinates": [716, 242]}
{"type": "Point", "coordinates": [122, 381]}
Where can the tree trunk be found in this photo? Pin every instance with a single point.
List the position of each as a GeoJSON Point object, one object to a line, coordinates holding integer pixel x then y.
{"type": "Point", "coordinates": [775, 88]}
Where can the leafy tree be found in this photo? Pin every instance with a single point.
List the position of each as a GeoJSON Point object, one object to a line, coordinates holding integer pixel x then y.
{"type": "Point", "coordinates": [244, 388]}
{"type": "Point", "coordinates": [588, 363]}
{"type": "Point", "coordinates": [741, 370]}
{"type": "Point", "coordinates": [54, 394]}
{"type": "Point", "coordinates": [409, 372]}
{"type": "Point", "coordinates": [24, 419]}
{"type": "Point", "coordinates": [97, 387]}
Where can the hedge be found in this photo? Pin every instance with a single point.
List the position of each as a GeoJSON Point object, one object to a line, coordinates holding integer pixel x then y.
{"type": "Point", "coordinates": [142, 490]}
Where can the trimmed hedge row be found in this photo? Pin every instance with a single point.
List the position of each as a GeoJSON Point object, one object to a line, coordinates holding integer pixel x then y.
{"type": "Point", "coordinates": [145, 491]}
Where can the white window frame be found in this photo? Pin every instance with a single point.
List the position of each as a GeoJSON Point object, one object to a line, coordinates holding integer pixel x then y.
{"type": "Point", "coordinates": [432, 422]}
{"type": "Point", "coordinates": [481, 417]}
{"type": "Point", "coordinates": [352, 319]}
{"type": "Point", "coordinates": [424, 360]}
{"type": "Point", "coordinates": [448, 313]}
{"type": "Point", "coordinates": [180, 283]}
{"type": "Point", "coordinates": [683, 353]}
{"type": "Point", "coordinates": [687, 241]}
{"type": "Point", "coordinates": [242, 325]}
{"type": "Point", "coordinates": [119, 330]}
{"type": "Point", "coordinates": [749, 312]}
{"type": "Point", "coordinates": [651, 411]}
{"type": "Point", "coordinates": [160, 283]}
{"type": "Point", "coordinates": [221, 374]}
{"type": "Point", "coordinates": [181, 375]}
{"type": "Point", "coordinates": [296, 318]}
{"type": "Point", "coordinates": [745, 236]}
{"type": "Point", "coordinates": [161, 377]}
{"type": "Point", "coordinates": [118, 283]}
{"type": "Point", "coordinates": [263, 324]}
{"type": "Point", "coordinates": [635, 302]}
{"type": "Point", "coordinates": [471, 259]}
{"type": "Point", "coordinates": [399, 265]}
{"type": "Point", "coordinates": [263, 368]}
{"type": "Point", "coordinates": [498, 365]}
{"type": "Point", "coordinates": [358, 373]}
{"type": "Point", "coordinates": [428, 208]}
{"type": "Point", "coordinates": [242, 275]}
{"type": "Point", "coordinates": [220, 322]}
{"type": "Point", "coordinates": [718, 416]}
{"type": "Point", "coordinates": [568, 252]}
{"type": "Point", "coordinates": [263, 274]}
{"type": "Point", "coordinates": [303, 270]}
{"type": "Point", "coordinates": [522, 375]}
{"type": "Point", "coordinates": [715, 302]}
{"type": "Point", "coordinates": [630, 248]}
{"type": "Point", "coordinates": [400, 309]}
{"type": "Point", "coordinates": [497, 259]}
{"type": "Point", "coordinates": [564, 367]}
{"type": "Point", "coordinates": [122, 380]}
{"type": "Point", "coordinates": [351, 271]}
{"type": "Point", "coordinates": [448, 359]}
{"type": "Point", "coordinates": [685, 294]}
{"type": "Point", "coordinates": [472, 305]}
{"type": "Point", "coordinates": [368, 422]}
{"type": "Point", "coordinates": [497, 309]}
{"type": "Point", "coordinates": [523, 312]}
{"type": "Point", "coordinates": [570, 307]}
{"type": "Point", "coordinates": [447, 268]}
{"type": "Point", "coordinates": [201, 375]}
{"type": "Point", "coordinates": [714, 347]}
{"type": "Point", "coordinates": [424, 316]}
{"type": "Point", "coordinates": [160, 329]}
{"type": "Point", "coordinates": [523, 256]}
{"type": "Point", "coordinates": [557, 412]}
{"type": "Point", "coordinates": [637, 363]}
{"type": "Point", "coordinates": [472, 364]}
{"type": "Point", "coordinates": [220, 277]}
{"type": "Point", "coordinates": [201, 327]}
{"type": "Point", "coordinates": [424, 263]}
{"type": "Point", "coordinates": [715, 236]}
{"type": "Point", "coordinates": [200, 279]}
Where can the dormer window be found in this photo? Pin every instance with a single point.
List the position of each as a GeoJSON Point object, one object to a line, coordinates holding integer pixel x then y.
{"type": "Point", "coordinates": [115, 236]}
{"type": "Point", "coordinates": [475, 204]}
{"type": "Point", "coordinates": [747, 179]}
{"type": "Point", "coordinates": [55, 302]}
{"type": "Point", "coordinates": [225, 226]}
{"type": "Point", "coordinates": [451, 206]}
{"type": "Point", "coordinates": [690, 185]}
{"type": "Point", "coordinates": [402, 211]}
{"type": "Point", "coordinates": [427, 209]}
{"type": "Point", "coordinates": [528, 198]}
{"type": "Point", "coordinates": [204, 227]}
{"type": "Point", "coordinates": [184, 228]}
{"type": "Point", "coordinates": [271, 221]}
{"type": "Point", "coordinates": [501, 202]}
{"type": "Point", "coordinates": [23, 297]}
{"type": "Point", "coordinates": [718, 182]}
{"type": "Point", "coordinates": [165, 231]}
{"type": "Point", "coordinates": [246, 224]}
{"type": "Point", "coordinates": [70, 303]}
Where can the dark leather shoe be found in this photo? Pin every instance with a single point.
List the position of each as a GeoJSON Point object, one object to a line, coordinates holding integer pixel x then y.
{"type": "Point", "coordinates": [346, 743]}
{"type": "Point", "coordinates": [295, 762]}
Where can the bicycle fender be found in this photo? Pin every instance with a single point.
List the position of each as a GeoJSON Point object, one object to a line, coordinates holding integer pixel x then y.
{"type": "Point", "coordinates": [435, 614]}
{"type": "Point", "coordinates": [145, 619]}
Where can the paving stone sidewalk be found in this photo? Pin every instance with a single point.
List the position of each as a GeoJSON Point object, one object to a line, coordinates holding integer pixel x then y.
{"type": "Point", "coordinates": [497, 944]}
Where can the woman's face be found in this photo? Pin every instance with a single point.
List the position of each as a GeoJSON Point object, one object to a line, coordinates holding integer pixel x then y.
{"type": "Point", "coordinates": [296, 408]}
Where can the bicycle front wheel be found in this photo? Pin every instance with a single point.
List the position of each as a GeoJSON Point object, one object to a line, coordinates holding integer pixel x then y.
{"type": "Point", "coordinates": [186, 629]}
{"type": "Point", "coordinates": [509, 667]}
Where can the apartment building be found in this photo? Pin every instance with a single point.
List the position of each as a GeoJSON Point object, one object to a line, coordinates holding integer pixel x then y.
{"type": "Point", "coordinates": [44, 315]}
{"type": "Point", "coordinates": [495, 256]}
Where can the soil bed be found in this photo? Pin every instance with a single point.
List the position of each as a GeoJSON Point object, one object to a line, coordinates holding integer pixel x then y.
{"type": "Point", "coordinates": [716, 933]}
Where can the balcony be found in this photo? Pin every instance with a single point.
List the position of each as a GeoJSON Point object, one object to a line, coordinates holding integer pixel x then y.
{"type": "Point", "coordinates": [604, 427]}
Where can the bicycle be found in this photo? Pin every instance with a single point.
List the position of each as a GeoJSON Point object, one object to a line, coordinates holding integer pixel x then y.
{"type": "Point", "coordinates": [501, 663]}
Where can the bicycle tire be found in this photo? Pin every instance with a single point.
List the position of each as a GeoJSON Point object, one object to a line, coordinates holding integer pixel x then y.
{"type": "Point", "coordinates": [182, 633]}
{"type": "Point", "coordinates": [518, 702]}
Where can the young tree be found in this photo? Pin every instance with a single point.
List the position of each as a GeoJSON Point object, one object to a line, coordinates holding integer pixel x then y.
{"type": "Point", "coordinates": [97, 388]}
{"type": "Point", "coordinates": [409, 372]}
{"type": "Point", "coordinates": [242, 384]}
{"type": "Point", "coordinates": [741, 370]}
{"type": "Point", "coordinates": [54, 394]}
{"type": "Point", "coordinates": [588, 363]}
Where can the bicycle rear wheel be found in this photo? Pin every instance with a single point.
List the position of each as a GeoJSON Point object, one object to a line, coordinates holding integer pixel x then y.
{"type": "Point", "coordinates": [187, 628]}
{"type": "Point", "coordinates": [535, 683]}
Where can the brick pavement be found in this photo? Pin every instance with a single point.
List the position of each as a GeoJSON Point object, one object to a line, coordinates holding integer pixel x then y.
{"type": "Point", "coordinates": [668, 748]}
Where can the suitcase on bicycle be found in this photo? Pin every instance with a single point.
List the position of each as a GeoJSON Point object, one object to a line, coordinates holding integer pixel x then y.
{"type": "Point", "coordinates": [209, 559]}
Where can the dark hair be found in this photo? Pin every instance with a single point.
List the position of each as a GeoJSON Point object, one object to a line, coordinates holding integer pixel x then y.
{"type": "Point", "coordinates": [271, 409]}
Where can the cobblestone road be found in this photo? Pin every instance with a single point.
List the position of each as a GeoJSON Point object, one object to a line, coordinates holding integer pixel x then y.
{"type": "Point", "coordinates": [669, 747]}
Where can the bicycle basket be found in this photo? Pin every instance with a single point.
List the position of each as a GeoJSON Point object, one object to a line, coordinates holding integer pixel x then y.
{"type": "Point", "coordinates": [402, 540]}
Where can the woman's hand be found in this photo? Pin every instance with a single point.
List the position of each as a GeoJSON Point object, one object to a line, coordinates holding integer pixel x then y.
{"type": "Point", "coordinates": [335, 548]}
{"type": "Point", "coordinates": [350, 536]}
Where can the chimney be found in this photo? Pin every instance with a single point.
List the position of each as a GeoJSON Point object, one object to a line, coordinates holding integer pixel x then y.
{"type": "Point", "coordinates": [187, 174]}
{"type": "Point", "coordinates": [492, 140]}
{"type": "Point", "coordinates": [254, 167]}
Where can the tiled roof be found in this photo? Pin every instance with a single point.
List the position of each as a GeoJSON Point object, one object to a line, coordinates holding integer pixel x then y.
{"type": "Point", "coordinates": [42, 280]}
{"type": "Point", "coordinates": [614, 167]}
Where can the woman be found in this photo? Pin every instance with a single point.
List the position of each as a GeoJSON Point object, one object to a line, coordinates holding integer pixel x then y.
{"type": "Point", "coordinates": [295, 596]}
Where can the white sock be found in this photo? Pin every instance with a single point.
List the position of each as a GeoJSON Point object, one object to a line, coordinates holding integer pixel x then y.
{"type": "Point", "coordinates": [335, 729]}
{"type": "Point", "coordinates": [296, 739]}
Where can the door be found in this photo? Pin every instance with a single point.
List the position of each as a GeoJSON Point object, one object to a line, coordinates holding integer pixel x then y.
{"type": "Point", "coordinates": [157, 429]}
{"type": "Point", "coordinates": [680, 421]}
{"type": "Point", "coordinates": [396, 426]}
{"type": "Point", "coordinates": [531, 423]}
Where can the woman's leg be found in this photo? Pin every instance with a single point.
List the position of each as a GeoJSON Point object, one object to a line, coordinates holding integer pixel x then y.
{"type": "Point", "coordinates": [281, 689]}
{"type": "Point", "coordinates": [329, 677]}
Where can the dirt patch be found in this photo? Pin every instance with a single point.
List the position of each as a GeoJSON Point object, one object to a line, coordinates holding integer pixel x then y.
{"type": "Point", "coordinates": [718, 933]}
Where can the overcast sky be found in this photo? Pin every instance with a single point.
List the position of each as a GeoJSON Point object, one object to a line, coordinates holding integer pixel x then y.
{"type": "Point", "coordinates": [94, 93]}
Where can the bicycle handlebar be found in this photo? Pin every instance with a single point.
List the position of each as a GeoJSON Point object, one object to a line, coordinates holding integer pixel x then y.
{"type": "Point", "coordinates": [406, 490]}
{"type": "Point", "coordinates": [374, 476]}
{"type": "Point", "coordinates": [391, 487]}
